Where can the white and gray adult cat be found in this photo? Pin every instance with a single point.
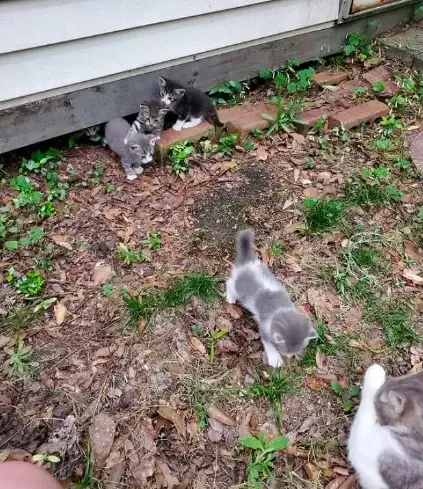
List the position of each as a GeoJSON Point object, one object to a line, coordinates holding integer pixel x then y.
{"type": "Point", "coordinates": [189, 104]}
{"type": "Point", "coordinates": [283, 330]}
{"type": "Point", "coordinates": [150, 119]}
{"type": "Point", "coordinates": [385, 446]}
{"type": "Point", "coordinates": [138, 150]}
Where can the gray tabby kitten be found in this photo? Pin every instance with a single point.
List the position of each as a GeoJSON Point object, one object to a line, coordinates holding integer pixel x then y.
{"type": "Point", "coordinates": [385, 446]}
{"type": "Point", "coordinates": [283, 330]}
{"type": "Point", "coordinates": [150, 119]}
{"type": "Point", "coordinates": [190, 105]}
{"type": "Point", "coordinates": [138, 149]}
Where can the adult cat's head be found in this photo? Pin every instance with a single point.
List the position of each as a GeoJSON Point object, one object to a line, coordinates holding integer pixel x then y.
{"type": "Point", "coordinates": [399, 404]}
{"type": "Point", "coordinates": [141, 145]}
{"type": "Point", "coordinates": [170, 91]}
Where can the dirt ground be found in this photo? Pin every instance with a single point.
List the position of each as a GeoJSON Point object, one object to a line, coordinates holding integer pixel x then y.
{"type": "Point", "coordinates": [143, 399]}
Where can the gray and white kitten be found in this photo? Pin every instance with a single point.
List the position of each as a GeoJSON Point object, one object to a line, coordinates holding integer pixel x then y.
{"type": "Point", "coordinates": [385, 446]}
{"type": "Point", "coordinates": [190, 105]}
{"type": "Point", "coordinates": [138, 149]}
{"type": "Point", "coordinates": [150, 118]}
{"type": "Point", "coordinates": [283, 330]}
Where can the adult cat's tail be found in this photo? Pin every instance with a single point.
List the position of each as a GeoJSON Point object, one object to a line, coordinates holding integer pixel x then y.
{"type": "Point", "coordinates": [244, 247]}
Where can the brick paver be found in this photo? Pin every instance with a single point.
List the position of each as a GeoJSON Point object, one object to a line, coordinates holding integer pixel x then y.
{"type": "Point", "coordinates": [367, 112]}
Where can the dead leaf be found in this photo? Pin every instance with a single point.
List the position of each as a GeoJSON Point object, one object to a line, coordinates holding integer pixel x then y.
{"type": "Point", "coordinates": [311, 470]}
{"type": "Point", "coordinates": [197, 345]}
{"type": "Point", "coordinates": [62, 241]}
{"type": "Point", "coordinates": [60, 312]}
{"type": "Point", "coordinates": [349, 482]}
{"type": "Point", "coordinates": [244, 427]}
{"type": "Point", "coordinates": [297, 173]}
{"type": "Point", "coordinates": [170, 479]}
{"type": "Point", "coordinates": [102, 434]}
{"type": "Point", "coordinates": [320, 360]}
{"type": "Point", "coordinates": [234, 311]}
{"type": "Point", "coordinates": [314, 383]}
{"type": "Point", "coordinates": [101, 273]}
{"type": "Point", "coordinates": [226, 345]}
{"type": "Point", "coordinates": [220, 415]}
{"type": "Point", "coordinates": [262, 154]}
{"type": "Point", "coordinates": [311, 192]}
{"type": "Point", "coordinates": [288, 203]}
{"type": "Point", "coordinates": [213, 435]}
{"type": "Point", "coordinates": [298, 138]}
{"type": "Point", "coordinates": [105, 351]}
{"type": "Point", "coordinates": [145, 469]}
{"type": "Point", "coordinates": [170, 414]}
{"type": "Point", "coordinates": [323, 303]}
{"type": "Point", "coordinates": [417, 367]}
{"type": "Point", "coordinates": [353, 318]}
{"type": "Point", "coordinates": [336, 483]}
{"type": "Point", "coordinates": [413, 275]}
{"type": "Point", "coordinates": [265, 256]}
{"type": "Point", "coordinates": [112, 213]}
{"type": "Point", "coordinates": [4, 340]}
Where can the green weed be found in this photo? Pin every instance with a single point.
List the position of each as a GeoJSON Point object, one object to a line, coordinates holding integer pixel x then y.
{"type": "Point", "coordinates": [179, 156]}
{"type": "Point", "coordinates": [226, 145]}
{"type": "Point", "coordinates": [87, 481]}
{"type": "Point", "coordinates": [390, 125]}
{"type": "Point", "coordinates": [261, 460]}
{"type": "Point", "coordinates": [97, 173]}
{"type": "Point", "coordinates": [378, 86]}
{"type": "Point", "coordinates": [321, 214]}
{"type": "Point", "coordinates": [401, 163]}
{"type": "Point", "coordinates": [107, 290]}
{"type": "Point", "coordinates": [202, 415]}
{"type": "Point", "coordinates": [43, 458]}
{"type": "Point", "coordinates": [109, 189]}
{"type": "Point", "coordinates": [276, 249]}
{"type": "Point", "coordinates": [231, 92]}
{"type": "Point", "coordinates": [214, 338]}
{"type": "Point", "coordinates": [360, 92]}
{"type": "Point", "coordinates": [360, 47]}
{"type": "Point", "coordinates": [41, 161]}
{"type": "Point", "coordinates": [286, 118]}
{"type": "Point", "coordinates": [249, 144]}
{"type": "Point", "coordinates": [153, 241]}
{"type": "Point", "coordinates": [32, 237]}
{"type": "Point", "coordinates": [30, 284]}
{"type": "Point", "coordinates": [128, 256]}
{"type": "Point", "coordinates": [21, 362]}
{"type": "Point", "coordinates": [346, 396]}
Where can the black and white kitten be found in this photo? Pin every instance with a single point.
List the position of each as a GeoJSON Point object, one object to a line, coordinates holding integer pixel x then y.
{"type": "Point", "coordinates": [283, 330]}
{"type": "Point", "coordinates": [136, 151]}
{"type": "Point", "coordinates": [150, 118]}
{"type": "Point", "coordinates": [190, 105]}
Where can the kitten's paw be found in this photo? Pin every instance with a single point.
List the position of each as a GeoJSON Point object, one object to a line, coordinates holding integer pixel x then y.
{"type": "Point", "coordinates": [138, 170]}
{"type": "Point", "coordinates": [131, 176]}
{"type": "Point", "coordinates": [274, 360]}
{"type": "Point", "coordinates": [375, 377]}
{"type": "Point", "coordinates": [177, 126]}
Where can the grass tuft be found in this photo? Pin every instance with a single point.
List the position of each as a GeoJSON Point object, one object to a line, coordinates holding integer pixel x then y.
{"type": "Point", "coordinates": [322, 214]}
{"type": "Point", "coordinates": [397, 326]}
{"type": "Point", "coordinates": [194, 284]}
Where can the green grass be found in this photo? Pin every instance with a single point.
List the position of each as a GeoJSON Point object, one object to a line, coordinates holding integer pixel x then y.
{"type": "Point", "coordinates": [397, 325]}
{"type": "Point", "coordinates": [322, 343]}
{"type": "Point", "coordinates": [371, 194]}
{"type": "Point", "coordinates": [321, 214]}
{"type": "Point", "coordinates": [129, 256]}
{"type": "Point", "coordinates": [21, 362]}
{"type": "Point", "coordinates": [202, 285]}
{"type": "Point", "coordinates": [153, 241]}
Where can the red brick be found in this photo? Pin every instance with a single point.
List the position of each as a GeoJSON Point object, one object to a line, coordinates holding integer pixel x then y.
{"type": "Point", "coordinates": [193, 134]}
{"type": "Point", "coordinates": [330, 77]}
{"type": "Point", "coordinates": [367, 112]}
{"type": "Point", "coordinates": [252, 120]}
{"type": "Point", "coordinates": [415, 142]}
{"type": "Point", "coordinates": [310, 117]}
{"type": "Point", "coordinates": [382, 74]}
{"type": "Point", "coordinates": [351, 84]}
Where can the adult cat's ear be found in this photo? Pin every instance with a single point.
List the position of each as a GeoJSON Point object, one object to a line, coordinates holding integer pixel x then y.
{"type": "Point", "coordinates": [278, 338]}
{"type": "Point", "coordinates": [179, 92]}
{"type": "Point", "coordinates": [395, 401]}
{"type": "Point", "coordinates": [162, 81]}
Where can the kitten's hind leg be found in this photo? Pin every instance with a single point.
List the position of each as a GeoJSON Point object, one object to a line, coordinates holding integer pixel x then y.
{"type": "Point", "coordinates": [127, 166]}
{"type": "Point", "coordinates": [273, 356]}
{"type": "Point", "coordinates": [178, 125]}
{"type": "Point", "coordinates": [231, 295]}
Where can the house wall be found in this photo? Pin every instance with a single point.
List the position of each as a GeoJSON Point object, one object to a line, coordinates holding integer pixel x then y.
{"type": "Point", "coordinates": [60, 45]}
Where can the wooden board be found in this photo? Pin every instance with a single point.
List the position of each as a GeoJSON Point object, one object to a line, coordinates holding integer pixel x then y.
{"type": "Point", "coordinates": [63, 114]}
{"type": "Point", "coordinates": [43, 22]}
{"type": "Point", "coordinates": [29, 72]}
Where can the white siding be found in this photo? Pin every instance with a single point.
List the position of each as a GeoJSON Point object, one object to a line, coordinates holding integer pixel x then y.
{"type": "Point", "coordinates": [31, 71]}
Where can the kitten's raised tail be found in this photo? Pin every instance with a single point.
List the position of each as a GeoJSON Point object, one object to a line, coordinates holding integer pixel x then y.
{"type": "Point", "coordinates": [244, 247]}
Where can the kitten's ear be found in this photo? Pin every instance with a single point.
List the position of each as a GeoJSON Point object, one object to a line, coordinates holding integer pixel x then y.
{"type": "Point", "coordinates": [163, 111]}
{"type": "Point", "coordinates": [180, 92]}
{"type": "Point", "coordinates": [278, 339]}
{"type": "Point", "coordinates": [153, 140]}
{"type": "Point", "coordinates": [396, 401]}
{"type": "Point", "coordinates": [144, 110]}
{"type": "Point", "coordinates": [162, 81]}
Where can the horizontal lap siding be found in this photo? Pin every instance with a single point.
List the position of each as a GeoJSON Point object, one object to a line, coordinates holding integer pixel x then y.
{"type": "Point", "coordinates": [28, 72]}
{"type": "Point", "coordinates": [44, 22]}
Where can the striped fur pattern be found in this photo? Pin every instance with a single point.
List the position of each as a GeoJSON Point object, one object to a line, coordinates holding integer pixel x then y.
{"type": "Point", "coordinates": [150, 119]}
